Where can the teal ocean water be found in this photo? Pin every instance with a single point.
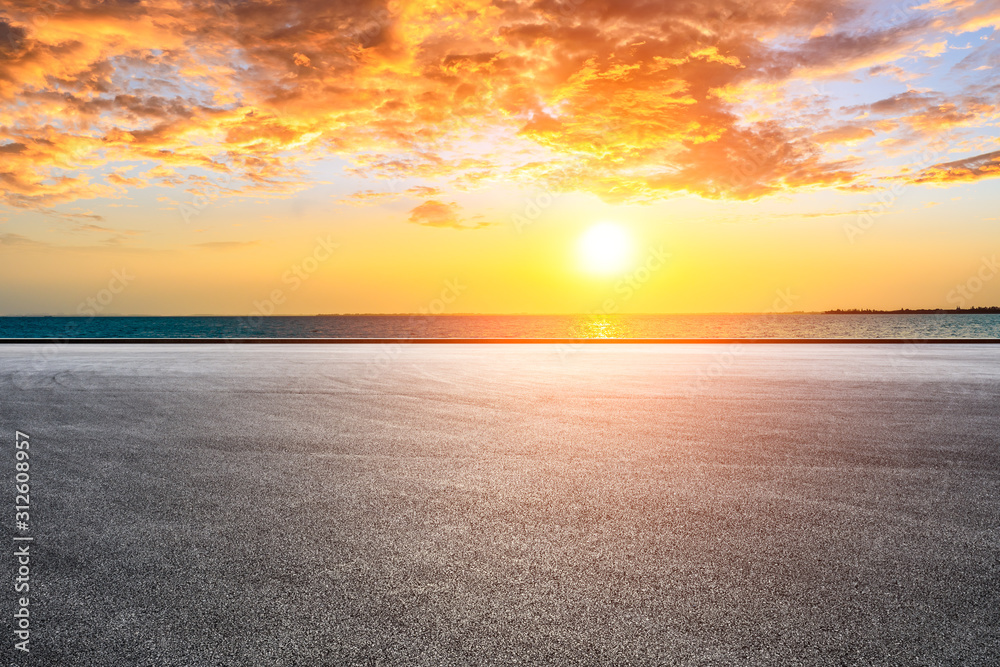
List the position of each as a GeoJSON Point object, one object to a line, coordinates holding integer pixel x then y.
{"type": "Point", "coordinates": [791, 325]}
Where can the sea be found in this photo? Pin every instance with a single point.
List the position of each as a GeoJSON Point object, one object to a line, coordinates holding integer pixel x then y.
{"type": "Point", "coordinates": [770, 325]}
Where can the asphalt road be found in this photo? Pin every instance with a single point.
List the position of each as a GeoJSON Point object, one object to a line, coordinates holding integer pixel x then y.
{"type": "Point", "coordinates": [522, 504]}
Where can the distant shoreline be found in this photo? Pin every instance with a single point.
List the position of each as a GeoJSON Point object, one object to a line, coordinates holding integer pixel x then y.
{"type": "Point", "coordinates": [985, 310]}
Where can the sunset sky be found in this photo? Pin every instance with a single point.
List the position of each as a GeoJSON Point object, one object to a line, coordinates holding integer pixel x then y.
{"type": "Point", "coordinates": [319, 156]}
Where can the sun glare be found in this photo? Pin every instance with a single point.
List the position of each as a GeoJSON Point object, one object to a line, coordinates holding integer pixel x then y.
{"type": "Point", "coordinates": [605, 248]}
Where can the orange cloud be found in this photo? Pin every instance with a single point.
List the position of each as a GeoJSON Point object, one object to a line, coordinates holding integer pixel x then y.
{"type": "Point", "coordinates": [968, 169]}
{"type": "Point", "coordinates": [939, 117]}
{"type": "Point", "coordinates": [433, 213]}
{"type": "Point", "coordinates": [911, 99]}
{"type": "Point", "coordinates": [843, 135]}
{"type": "Point", "coordinates": [18, 240]}
{"type": "Point", "coordinates": [626, 99]}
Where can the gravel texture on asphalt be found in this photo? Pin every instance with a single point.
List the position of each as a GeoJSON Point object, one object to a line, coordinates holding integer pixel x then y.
{"type": "Point", "coordinates": [507, 504]}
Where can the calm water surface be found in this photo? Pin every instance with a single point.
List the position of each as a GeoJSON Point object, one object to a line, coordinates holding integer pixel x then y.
{"type": "Point", "coordinates": [510, 326]}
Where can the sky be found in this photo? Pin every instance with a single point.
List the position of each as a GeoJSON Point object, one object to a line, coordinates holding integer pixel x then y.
{"type": "Point", "coordinates": [317, 157]}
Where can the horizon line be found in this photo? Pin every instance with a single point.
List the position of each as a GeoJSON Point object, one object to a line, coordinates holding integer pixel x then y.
{"type": "Point", "coordinates": [404, 314]}
{"type": "Point", "coordinates": [504, 341]}
{"type": "Point", "coordinates": [836, 311]}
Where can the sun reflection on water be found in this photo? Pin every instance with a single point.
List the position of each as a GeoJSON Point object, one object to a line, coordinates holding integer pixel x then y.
{"type": "Point", "coordinates": [601, 326]}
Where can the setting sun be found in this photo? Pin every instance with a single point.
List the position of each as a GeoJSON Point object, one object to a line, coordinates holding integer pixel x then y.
{"type": "Point", "coordinates": [605, 248]}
